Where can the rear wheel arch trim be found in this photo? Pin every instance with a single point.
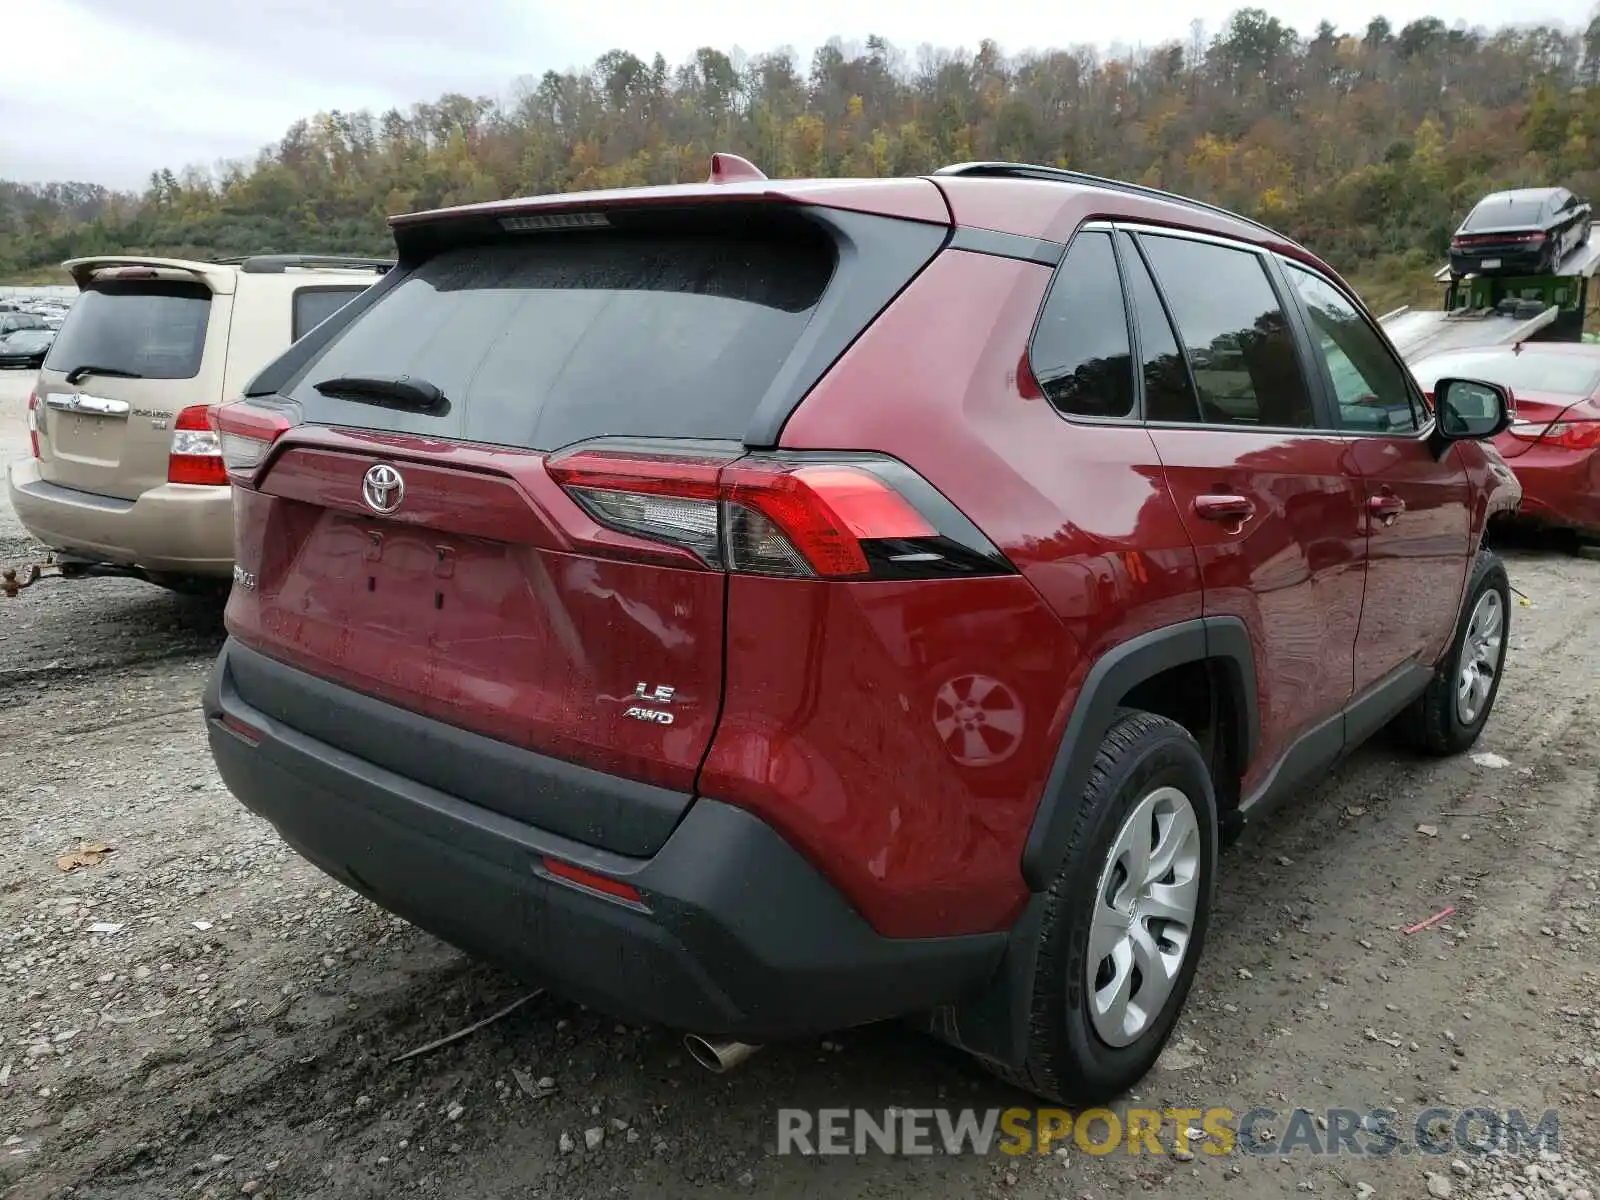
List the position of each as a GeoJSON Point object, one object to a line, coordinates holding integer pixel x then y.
{"type": "Point", "coordinates": [1221, 640]}
{"type": "Point", "coordinates": [992, 1022]}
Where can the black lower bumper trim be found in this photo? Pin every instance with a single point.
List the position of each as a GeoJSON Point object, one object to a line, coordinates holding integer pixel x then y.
{"type": "Point", "coordinates": [737, 935]}
{"type": "Point", "coordinates": [622, 815]}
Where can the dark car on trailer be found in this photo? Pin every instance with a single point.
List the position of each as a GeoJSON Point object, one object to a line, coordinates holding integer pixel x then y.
{"type": "Point", "coordinates": [1529, 231]}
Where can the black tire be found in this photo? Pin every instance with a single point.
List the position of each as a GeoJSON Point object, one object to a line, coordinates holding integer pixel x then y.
{"type": "Point", "coordinates": [1067, 1060]}
{"type": "Point", "coordinates": [1433, 723]}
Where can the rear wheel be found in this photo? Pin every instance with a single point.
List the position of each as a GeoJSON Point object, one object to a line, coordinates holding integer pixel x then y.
{"type": "Point", "coordinates": [1449, 716]}
{"type": "Point", "coordinates": [1125, 917]}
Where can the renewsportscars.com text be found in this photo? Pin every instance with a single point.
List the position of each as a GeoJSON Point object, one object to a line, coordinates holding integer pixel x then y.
{"type": "Point", "coordinates": [1370, 1133]}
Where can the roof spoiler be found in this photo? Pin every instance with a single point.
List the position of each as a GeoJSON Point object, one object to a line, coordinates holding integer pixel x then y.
{"type": "Point", "coordinates": [83, 270]}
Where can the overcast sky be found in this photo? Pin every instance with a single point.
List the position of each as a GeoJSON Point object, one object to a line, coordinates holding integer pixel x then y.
{"type": "Point", "coordinates": [107, 90]}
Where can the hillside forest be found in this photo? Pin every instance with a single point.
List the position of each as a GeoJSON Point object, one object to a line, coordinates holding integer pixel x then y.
{"type": "Point", "coordinates": [1367, 145]}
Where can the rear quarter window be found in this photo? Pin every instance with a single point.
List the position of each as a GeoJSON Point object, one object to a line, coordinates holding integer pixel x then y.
{"type": "Point", "coordinates": [547, 340]}
{"type": "Point", "coordinates": [151, 329]}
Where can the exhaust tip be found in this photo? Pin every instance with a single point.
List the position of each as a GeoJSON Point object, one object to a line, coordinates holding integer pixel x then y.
{"type": "Point", "coordinates": [717, 1057]}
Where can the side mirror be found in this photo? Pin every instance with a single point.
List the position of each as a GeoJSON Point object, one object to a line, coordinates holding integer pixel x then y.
{"type": "Point", "coordinates": [1469, 410]}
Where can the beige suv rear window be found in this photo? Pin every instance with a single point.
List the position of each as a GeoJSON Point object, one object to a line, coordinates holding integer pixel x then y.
{"type": "Point", "coordinates": [145, 330]}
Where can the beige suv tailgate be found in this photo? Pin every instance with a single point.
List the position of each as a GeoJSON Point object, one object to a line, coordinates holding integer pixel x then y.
{"type": "Point", "coordinates": [142, 343]}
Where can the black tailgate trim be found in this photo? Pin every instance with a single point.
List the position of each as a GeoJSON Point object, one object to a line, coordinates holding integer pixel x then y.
{"type": "Point", "coordinates": [588, 806]}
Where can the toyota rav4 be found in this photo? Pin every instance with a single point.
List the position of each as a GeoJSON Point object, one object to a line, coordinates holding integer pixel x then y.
{"type": "Point", "coordinates": [763, 607]}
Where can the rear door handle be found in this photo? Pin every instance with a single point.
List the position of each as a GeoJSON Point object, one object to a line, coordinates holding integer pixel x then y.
{"type": "Point", "coordinates": [1386, 508]}
{"type": "Point", "coordinates": [1213, 507]}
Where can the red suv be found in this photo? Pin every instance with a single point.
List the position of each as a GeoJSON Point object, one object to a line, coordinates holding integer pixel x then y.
{"type": "Point", "coordinates": [764, 607]}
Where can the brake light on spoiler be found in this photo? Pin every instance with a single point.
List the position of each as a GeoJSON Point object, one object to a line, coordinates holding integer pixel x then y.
{"type": "Point", "coordinates": [805, 516]}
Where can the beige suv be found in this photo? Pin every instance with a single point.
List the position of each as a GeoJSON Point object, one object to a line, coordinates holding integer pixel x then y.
{"type": "Point", "coordinates": [125, 476]}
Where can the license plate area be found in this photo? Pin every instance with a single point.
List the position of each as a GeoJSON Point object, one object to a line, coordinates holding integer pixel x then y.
{"type": "Point", "coordinates": [1490, 264]}
{"type": "Point", "coordinates": [410, 575]}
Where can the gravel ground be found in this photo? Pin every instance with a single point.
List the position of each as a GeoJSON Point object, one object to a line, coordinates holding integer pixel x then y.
{"type": "Point", "coordinates": [202, 1013]}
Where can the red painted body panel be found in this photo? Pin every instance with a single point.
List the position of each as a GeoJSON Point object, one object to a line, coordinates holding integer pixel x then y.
{"type": "Point", "coordinates": [1082, 511]}
{"type": "Point", "coordinates": [465, 607]}
{"type": "Point", "coordinates": [1293, 571]}
{"type": "Point", "coordinates": [899, 734]}
{"type": "Point", "coordinates": [1560, 485]}
{"type": "Point", "coordinates": [1423, 552]}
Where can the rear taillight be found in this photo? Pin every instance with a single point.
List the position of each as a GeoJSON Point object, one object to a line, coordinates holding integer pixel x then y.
{"type": "Point", "coordinates": [1564, 435]}
{"type": "Point", "coordinates": [245, 432]}
{"type": "Point", "coordinates": [1496, 239]}
{"type": "Point", "coordinates": [196, 456]}
{"type": "Point", "coordinates": [796, 515]}
{"type": "Point", "coordinates": [33, 422]}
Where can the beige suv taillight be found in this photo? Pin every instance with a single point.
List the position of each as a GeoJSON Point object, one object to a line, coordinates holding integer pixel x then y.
{"type": "Point", "coordinates": [33, 422]}
{"type": "Point", "coordinates": [196, 455]}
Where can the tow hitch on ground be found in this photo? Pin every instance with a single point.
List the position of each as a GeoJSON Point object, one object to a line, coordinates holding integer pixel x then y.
{"type": "Point", "coordinates": [11, 582]}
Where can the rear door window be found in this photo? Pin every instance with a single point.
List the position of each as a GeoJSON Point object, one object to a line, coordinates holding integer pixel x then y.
{"type": "Point", "coordinates": [150, 329]}
{"type": "Point", "coordinates": [550, 340]}
{"type": "Point", "coordinates": [1168, 390]}
{"type": "Point", "coordinates": [314, 305]}
{"type": "Point", "coordinates": [1237, 339]}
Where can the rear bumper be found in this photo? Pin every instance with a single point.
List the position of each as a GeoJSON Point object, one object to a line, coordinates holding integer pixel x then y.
{"type": "Point", "coordinates": [174, 528]}
{"type": "Point", "coordinates": [736, 934]}
{"type": "Point", "coordinates": [1512, 261]}
{"type": "Point", "coordinates": [1560, 488]}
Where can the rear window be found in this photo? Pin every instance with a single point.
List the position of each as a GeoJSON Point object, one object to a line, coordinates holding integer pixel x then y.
{"type": "Point", "coordinates": [1571, 375]}
{"type": "Point", "coordinates": [546, 341]}
{"type": "Point", "coordinates": [152, 329]}
{"type": "Point", "coordinates": [1498, 214]}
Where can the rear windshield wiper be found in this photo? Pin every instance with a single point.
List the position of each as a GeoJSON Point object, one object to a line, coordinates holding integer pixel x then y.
{"type": "Point", "coordinates": [79, 374]}
{"type": "Point", "coordinates": [391, 391]}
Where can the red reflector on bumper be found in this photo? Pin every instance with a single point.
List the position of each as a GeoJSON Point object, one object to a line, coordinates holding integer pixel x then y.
{"type": "Point", "coordinates": [592, 881]}
{"type": "Point", "coordinates": [248, 732]}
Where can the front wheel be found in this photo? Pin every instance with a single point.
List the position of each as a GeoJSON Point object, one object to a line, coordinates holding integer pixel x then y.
{"type": "Point", "coordinates": [1448, 717]}
{"type": "Point", "coordinates": [1125, 917]}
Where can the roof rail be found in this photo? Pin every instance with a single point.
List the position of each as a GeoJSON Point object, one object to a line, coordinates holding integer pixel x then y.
{"type": "Point", "coordinates": [276, 264]}
{"type": "Point", "coordinates": [1008, 170]}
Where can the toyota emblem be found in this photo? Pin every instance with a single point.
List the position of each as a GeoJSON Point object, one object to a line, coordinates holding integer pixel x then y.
{"type": "Point", "coordinates": [383, 488]}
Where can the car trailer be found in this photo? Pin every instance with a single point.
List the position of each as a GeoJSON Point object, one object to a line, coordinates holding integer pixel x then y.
{"type": "Point", "coordinates": [1500, 310]}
